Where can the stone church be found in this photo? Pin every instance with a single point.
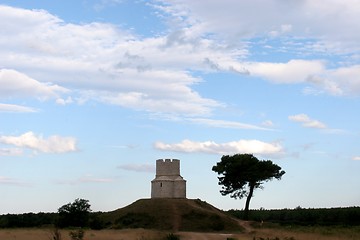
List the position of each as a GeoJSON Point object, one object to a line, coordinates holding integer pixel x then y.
{"type": "Point", "coordinates": [168, 183]}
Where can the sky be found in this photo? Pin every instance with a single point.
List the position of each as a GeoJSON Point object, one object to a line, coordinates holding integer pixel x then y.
{"type": "Point", "coordinates": [93, 92]}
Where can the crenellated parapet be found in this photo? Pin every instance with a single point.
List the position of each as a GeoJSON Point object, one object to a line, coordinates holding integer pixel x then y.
{"type": "Point", "coordinates": [167, 167]}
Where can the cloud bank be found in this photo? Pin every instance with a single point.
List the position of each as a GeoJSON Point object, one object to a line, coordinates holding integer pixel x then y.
{"type": "Point", "coordinates": [307, 122]}
{"type": "Point", "coordinates": [226, 124]}
{"type": "Point", "coordinates": [80, 62]}
{"type": "Point", "coordinates": [138, 167]}
{"type": "Point", "coordinates": [16, 84]}
{"type": "Point", "coordinates": [53, 144]}
{"type": "Point", "coordinates": [211, 147]}
{"type": "Point", "coordinates": [12, 108]}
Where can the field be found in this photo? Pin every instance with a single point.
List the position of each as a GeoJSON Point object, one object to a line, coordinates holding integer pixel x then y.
{"type": "Point", "coordinates": [303, 233]}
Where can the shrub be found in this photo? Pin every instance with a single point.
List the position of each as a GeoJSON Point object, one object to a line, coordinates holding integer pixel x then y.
{"type": "Point", "coordinates": [96, 223]}
{"type": "Point", "coordinates": [74, 214]}
{"type": "Point", "coordinates": [55, 234]}
{"type": "Point", "coordinates": [77, 234]}
{"type": "Point", "coordinates": [172, 236]}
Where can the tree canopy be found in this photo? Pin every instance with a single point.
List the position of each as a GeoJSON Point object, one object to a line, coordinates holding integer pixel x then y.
{"type": "Point", "coordinates": [74, 214]}
{"type": "Point", "coordinates": [242, 173]}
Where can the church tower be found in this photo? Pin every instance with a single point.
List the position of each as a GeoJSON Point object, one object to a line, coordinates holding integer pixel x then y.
{"type": "Point", "coordinates": [168, 183]}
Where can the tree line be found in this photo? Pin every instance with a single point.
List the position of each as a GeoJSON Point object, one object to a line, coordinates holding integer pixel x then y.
{"type": "Point", "coordinates": [27, 220]}
{"type": "Point", "coordinates": [76, 214]}
{"type": "Point", "coordinates": [348, 216]}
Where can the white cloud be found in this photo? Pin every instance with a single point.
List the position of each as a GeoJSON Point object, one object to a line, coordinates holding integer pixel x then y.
{"type": "Point", "coordinates": [344, 80]}
{"type": "Point", "coordinates": [53, 144]}
{"type": "Point", "coordinates": [356, 158]}
{"type": "Point", "coordinates": [16, 84]}
{"type": "Point", "coordinates": [267, 123]}
{"type": "Point", "coordinates": [64, 102]}
{"type": "Point", "coordinates": [339, 81]}
{"type": "Point", "coordinates": [309, 26]}
{"type": "Point", "coordinates": [307, 122]}
{"type": "Point", "coordinates": [158, 101]}
{"type": "Point", "coordinates": [294, 71]}
{"type": "Point", "coordinates": [138, 167]}
{"type": "Point", "coordinates": [101, 62]}
{"type": "Point", "coordinates": [241, 146]}
{"type": "Point", "coordinates": [323, 84]}
{"type": "Point", "coordinates": [16, 108]}
{"type": "Point", "coordinates": [226, 124]}
{"type": "Point", "coordinates": [313, 19]}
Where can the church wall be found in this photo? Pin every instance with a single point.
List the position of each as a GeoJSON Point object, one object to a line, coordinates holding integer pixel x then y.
{"type": "Point", "coordinates": [162, 189]}
{"type": "Point", "coordinates": [180, 189]}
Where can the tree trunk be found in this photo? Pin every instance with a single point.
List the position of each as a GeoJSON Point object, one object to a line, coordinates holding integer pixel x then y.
{"type": "Point", "coordinates": [246, 211]}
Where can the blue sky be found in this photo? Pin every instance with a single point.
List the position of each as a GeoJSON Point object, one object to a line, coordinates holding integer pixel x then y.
{"type": "Point", "coordinates": [93, 92]}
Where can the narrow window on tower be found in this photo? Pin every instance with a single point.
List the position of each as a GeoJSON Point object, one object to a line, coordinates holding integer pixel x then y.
{"type": "Point", "coordinates": [160, 184]}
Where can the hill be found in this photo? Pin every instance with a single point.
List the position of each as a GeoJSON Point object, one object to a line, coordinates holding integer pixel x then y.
{"type": "Point", "coordinates": [171, 214]}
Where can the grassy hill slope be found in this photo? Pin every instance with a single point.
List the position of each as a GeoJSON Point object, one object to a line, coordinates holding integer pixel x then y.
{"type": "Point", "coordinates": [171, 214]}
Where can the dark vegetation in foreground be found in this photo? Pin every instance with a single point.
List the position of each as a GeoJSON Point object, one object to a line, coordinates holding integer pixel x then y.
{"type": "Point", "coordinates": [349, 216]}
{"type": "Point", "coordinates": [188, 215]}
{"type": "Point", "coordinates": [36, 220]}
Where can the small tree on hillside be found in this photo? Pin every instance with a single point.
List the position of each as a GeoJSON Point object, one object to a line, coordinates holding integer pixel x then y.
{"type": "Point", "coordinates": [75, 214]}
{"type": "Point", "coordinates": [242, 173]}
